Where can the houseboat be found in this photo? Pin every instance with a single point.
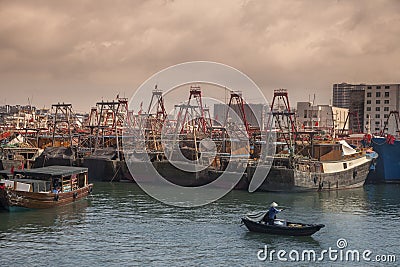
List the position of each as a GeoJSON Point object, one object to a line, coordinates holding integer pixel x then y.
{"type": "Point", "coordinates": [45, 187]}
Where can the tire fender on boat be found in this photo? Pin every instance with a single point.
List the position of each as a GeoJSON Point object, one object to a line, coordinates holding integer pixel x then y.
{"type": "Point", "coordinates": [354, 174]}
{"type": "Point", "coordinates": [320, 185]}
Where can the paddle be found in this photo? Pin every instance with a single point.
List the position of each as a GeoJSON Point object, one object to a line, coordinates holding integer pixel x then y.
{"type": "Point", "coordinates": [256, 215]}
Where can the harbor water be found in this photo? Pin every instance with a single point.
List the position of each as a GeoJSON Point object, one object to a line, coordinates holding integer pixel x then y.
{"type": "Point", "coordinates": [119, 225]}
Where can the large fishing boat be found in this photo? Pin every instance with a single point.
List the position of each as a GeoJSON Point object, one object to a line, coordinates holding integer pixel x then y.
{"type": "Point", "coordinates": [311, 160]}
{"type": "Point", "coordinates": [337, 167]}
{"type": "Point", "coordinates": [387, 145]}
{"type": "Point", "coordinates": [45, 187]}
{"type": "Point", "coordinates": [194, 152]}
{"type": "Point", "coordinates": [387, 167]}
{"type": "Point", "coordinates": [93, 143]}
{"type": "Point", "coordinates": [18, 154]}
{"type": "Point", "coordinates": [302, 161]}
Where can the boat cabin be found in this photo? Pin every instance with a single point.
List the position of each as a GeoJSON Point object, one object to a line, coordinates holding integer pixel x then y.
{"type": "Point", "coordinates": [55, 179]}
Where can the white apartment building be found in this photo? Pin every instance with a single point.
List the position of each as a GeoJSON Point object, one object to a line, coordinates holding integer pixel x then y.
{"type": "Point", "coordinates": [321, 117]}
{"type": "Point", "coordinates": [380, 99]}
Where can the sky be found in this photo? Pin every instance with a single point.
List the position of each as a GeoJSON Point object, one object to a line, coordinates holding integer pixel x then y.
{"type": "Point", "coordinates": [81, 52]}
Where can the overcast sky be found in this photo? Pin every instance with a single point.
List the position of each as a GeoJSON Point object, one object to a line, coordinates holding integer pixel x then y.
{"type": "Point", "coordinates": [84, 51]}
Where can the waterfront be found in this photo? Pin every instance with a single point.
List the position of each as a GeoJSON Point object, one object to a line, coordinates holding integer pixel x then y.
{"type": "Point", "coordinates": [121, 226]}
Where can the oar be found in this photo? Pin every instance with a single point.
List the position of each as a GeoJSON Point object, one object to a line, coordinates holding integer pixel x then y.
{"type": "Point", "coordinates": [255, 215]}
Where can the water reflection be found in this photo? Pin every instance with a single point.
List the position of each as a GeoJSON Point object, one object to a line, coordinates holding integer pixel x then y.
{"type": "Point", "coordinates": [121, 225]}
{"type": "Point", "coordinates": [275, 241]}
{"type": "Point", "coordinates": [384, 200]}
{"type": "Point", "coordinates": [366, 200]}
{"type": "Point", "coordinates": [58, 219]}
{"type": "Point", "coordinates": [354, 201]}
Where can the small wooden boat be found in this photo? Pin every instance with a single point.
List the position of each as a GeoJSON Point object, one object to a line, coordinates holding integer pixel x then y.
{"type": "Point", "coordinates": [45, 187]}
{"type": "Point", "coordinates": [280, 227]}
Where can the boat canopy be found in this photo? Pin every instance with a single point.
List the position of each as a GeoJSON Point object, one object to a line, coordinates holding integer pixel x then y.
{"type": "Point", "coordinates": [52, 171]}
{"type": "Point", "coordinates": [346, 148]}
{"type": "Point", "coordinates": [17, 140]}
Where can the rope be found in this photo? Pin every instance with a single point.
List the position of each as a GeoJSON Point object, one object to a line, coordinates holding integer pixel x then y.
{"type": "Point", "coordinates": [379, 144]}
{"type": "Point", "coordinates": [115, 174]}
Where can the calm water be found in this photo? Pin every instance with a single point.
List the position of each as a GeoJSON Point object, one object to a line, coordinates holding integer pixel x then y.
{"type": "Point", "coordinates": [122, 226]}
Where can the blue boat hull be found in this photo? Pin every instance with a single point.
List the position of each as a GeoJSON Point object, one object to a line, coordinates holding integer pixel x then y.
{"type": "Point", "coordinates": [387, 167]}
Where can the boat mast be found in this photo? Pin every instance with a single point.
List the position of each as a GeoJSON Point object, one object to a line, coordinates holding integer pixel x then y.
{"type": "Point", "coordinates": [396, 116]}
{"type": "Point", "coordinates": [284, 118]}
{"type": "Point", "coordinates": [64, 116]}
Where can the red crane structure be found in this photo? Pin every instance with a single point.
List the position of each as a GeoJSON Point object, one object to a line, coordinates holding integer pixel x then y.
{"type": "Point", "coordinates": [158, 118]}
{"type": "Point", "coordinates": [64, 124]}
{"type": "Point", "coordinates": [112, 116]}
{"type": "Point", "coordinates": [237, 103]}
{"type": "Point", "coordinates": [282, 116]}
{"type": "Point", "coordinates": [194, 115]}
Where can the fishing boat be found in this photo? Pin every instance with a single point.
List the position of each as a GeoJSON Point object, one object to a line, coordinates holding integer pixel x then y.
{"type": "Point", "coordinates": [18, 154]}
{"type": "Point", "coordinates": [254, 223]}
{"type": "Point", "coordinates": [335, 166]}
{"type": "Point", "coordinates": [45, 187]}
{"type": "Point", "coordinates": [311, 160]}
{"type": "Point", "coordinates": [387, 145]}
{"type": "Point", "coordinates": [387, 165]}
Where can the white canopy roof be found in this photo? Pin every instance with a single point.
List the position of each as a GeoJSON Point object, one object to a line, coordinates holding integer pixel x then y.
{"type": "Point", "coordinates": [346, 148]}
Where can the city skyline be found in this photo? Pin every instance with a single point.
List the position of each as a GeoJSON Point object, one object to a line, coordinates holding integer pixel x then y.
{"type": "Point", "coordinates": [83, 52]}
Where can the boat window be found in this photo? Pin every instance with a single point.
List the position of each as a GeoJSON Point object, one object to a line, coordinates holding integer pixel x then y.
{"type": "Point", "coordinates": [81, 180]}
{"type": "Point", "coordinates": [66, 185]}
{"type": "Point", "coordinates": [344, 165]}
{"type": "Point", "coordinates": [39, 186]}
{"type": "Point", "coordinates": [48, 186]}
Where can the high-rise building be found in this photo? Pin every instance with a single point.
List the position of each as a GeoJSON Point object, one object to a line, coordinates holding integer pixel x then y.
{"type": "Point", "coordinates": [342, 93]}
{"type": "Point", "coordinates": [351, 96]}
{"type": "Point", "coordinates": [380, 99]}
{"type": "Point", "coordinates": [255, 113]}
{"type": "Point", "coordinates": [369, 105]}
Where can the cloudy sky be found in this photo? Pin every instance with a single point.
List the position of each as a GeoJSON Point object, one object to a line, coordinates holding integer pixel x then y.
{"type": "Point", "coordinates": [85, 51]}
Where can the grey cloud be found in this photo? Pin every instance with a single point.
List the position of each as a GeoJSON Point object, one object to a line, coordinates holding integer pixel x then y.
{"type": "Point", "coordinates": [82, 51]}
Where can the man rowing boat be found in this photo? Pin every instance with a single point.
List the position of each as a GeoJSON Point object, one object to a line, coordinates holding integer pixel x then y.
{"type": "Point", "coordinates": [270, 216]}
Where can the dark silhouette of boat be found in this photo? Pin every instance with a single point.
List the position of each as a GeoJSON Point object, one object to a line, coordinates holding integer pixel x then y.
{"type": "Point", "coordinates": [280, 227]}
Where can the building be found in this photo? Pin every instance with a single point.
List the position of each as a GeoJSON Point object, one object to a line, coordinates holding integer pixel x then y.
{"type": "Point", "coordinates": [18, 117]}
{"type": "Point", "coordinates": [380, 99]}
{"type": "Point", "coordinates": [321, 117]}
{"type": "Point", "coordinates": [369, 105]}
{"type": "Point", "coordinates": [343, 93]}
{"type": "Point", "coordinates": [352, 97]}
{"type": "Point", "coordinates": [255, 113]}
